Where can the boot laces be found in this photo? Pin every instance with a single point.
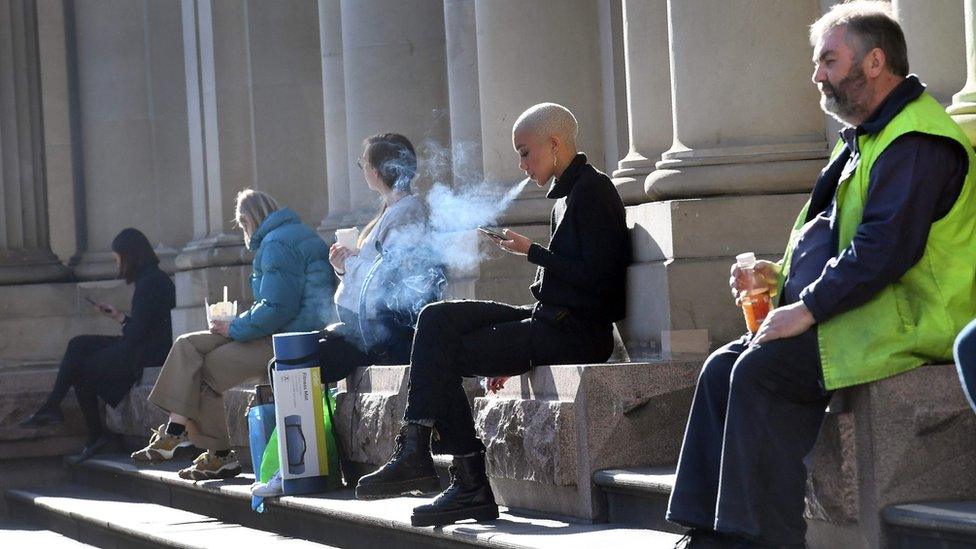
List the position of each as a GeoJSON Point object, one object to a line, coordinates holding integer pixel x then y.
{"type": "Point", "coordinates": [397, 448]}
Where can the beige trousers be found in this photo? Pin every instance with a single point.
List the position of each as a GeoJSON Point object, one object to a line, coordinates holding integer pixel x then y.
{"type": "Point", "coordinates": [200, 367]}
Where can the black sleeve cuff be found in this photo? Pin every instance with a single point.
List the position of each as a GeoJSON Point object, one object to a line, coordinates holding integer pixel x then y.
{"type": "Point", "coordinates": [537, 255]}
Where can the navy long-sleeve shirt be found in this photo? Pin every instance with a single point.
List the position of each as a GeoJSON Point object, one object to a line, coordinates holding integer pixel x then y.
{"type": "Point", "coordinates": [914, 182]}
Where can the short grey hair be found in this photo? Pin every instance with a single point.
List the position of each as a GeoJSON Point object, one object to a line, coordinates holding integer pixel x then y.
{"type": "Point", "coordinates": [549, 119]}
{"type": "Point", "coordinates": [255, 206]}
{"type": "Point", "coordinates": [871, 24]}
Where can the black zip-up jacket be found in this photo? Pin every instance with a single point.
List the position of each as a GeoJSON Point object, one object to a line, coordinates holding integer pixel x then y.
{"type": "Point", "coordinates": [584, 269]}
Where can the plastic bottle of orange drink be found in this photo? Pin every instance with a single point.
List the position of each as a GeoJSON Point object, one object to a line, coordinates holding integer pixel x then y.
{"type": "Point", "coordinates": [754, 294]}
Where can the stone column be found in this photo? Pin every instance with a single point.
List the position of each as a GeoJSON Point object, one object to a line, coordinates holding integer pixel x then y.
{"type": "Point", "coordinates": [334, 115]}
{"type": "Point", "coordinates": [395, 81]}
{"type": "Point", "coordinates": [25, 252]}
{"type": "Point", "coordinates": [963, 107]}
{"type": "Point", "coordinates": [254, 97]}
{"type": "Point", "coordinates": [748, 144]}
{"type": "Point", "coordinates": [462, 81]}
{"type": "Point", "coordinates": [648, 95]}
{"type": "Point", "coordinates": [772, 140]}
{"type": "Point", "coordinates": [511, 80]}
{"type": "Point", "coordinates": [935, 33]}
{"type": "Point", "coordinates": [131, 125]}
{"type": "Point", "coordinates": [569, 73]}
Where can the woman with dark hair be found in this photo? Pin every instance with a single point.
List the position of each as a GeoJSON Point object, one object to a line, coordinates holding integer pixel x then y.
{"type": "Point", "coordinates": [106, 367]}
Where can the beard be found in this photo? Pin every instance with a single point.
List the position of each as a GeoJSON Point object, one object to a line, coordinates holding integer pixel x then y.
{"type": "Point", "coordinates": [844, 101]}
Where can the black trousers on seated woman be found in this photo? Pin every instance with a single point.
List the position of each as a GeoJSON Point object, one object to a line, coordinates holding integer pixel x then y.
{"type": "Point", "coordinates": [97, 367]}
{"type": "Point", "coordinates": [457, 339]}
{"type": "Point", "coordinates": [343, 346]}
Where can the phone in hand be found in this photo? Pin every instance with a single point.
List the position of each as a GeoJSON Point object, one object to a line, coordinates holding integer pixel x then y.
{"type": "Point", "coordinates": [492, 233]}
{"type": "Point", "coordinates": [93, 302]}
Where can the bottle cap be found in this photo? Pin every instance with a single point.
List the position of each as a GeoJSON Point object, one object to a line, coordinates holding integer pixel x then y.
{"type": "Point", "coordinates": [746, 260]}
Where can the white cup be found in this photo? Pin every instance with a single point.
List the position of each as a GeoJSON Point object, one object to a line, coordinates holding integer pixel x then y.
{"type": "Point", "coordinates": [347, 238]}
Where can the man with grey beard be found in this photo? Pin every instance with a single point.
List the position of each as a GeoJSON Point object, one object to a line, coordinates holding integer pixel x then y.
{"type": "Point", "coordinates": [877, 278]}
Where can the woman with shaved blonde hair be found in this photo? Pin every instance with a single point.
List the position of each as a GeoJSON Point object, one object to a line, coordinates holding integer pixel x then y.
{"type": "Point", "coordinates": [291, 281]}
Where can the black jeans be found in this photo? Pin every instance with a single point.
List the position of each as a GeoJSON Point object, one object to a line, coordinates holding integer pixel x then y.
{"type": "Point", "coordinates": [457, 339]}
{"type": "Point", "coordinates": [80, 369]}
{"type": "Point", "coordinates": [756, 414]}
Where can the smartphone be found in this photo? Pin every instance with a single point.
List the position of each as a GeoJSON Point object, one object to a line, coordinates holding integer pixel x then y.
{"type": "Point", "coordinates": [92, 301]}
{"type": "Point", "coordinates": [493, 234]}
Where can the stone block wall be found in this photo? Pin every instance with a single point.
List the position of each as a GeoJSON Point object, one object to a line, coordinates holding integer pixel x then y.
{"type": "Point", "coordinates": [908, 438]}
{"type": "Point", "coordinates": [547, 432]}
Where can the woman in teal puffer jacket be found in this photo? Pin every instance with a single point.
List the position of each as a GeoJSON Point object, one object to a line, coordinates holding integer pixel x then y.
{"type": "Point", "coordinates": [291, 280]}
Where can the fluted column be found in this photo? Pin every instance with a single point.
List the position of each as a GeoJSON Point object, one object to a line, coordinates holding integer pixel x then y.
{"type": "Point", "coordinates": [395, 80]}
{"type": "Point", "coordinates": [253, 91]}
{"type": "Point", "coordinates": [462, 81]}
{"type": "Point", "coordinates": [935, 33]}
{"type": "Point", "coordinates": [748, 143]}
{"type": "Point", "coordinates": [963, 107]}
{"type": "Point", "coordinates": [648, 82]}
{"type": "Point", "coordinates": [511, 80]}
{"type": "Point", "coordinates": [131, 126]}
{"type": "Point", "coordinates": [25, 253]}
{"type": "Point", "coordinates": [741, 125]}
{"type": "Point", "coordinates": [334, 115]}
{"type": "Point", "coordinates": [254, 97]}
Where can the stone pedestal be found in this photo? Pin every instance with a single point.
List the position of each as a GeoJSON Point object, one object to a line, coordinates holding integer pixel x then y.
{"type": "Point", "coordinates": [38, 320]}
{"type": "Point", "coordinates": [547, 432]}
{"type": "Point", "coordinates": [908, 438]}
{"type": "Point", "coordinates": [682, 253]}
{"type": "Point", "coordinates": [648, 82]}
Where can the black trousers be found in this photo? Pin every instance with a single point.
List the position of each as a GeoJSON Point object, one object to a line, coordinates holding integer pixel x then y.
{"type": "Point", "coordinates": [341, 350]}
{"type": "Point", "coordinates": [756, 414]}
{"type": "Point", "coordinates": [457, 339]}
{"type": "Point", "coordinates": [89, 362]}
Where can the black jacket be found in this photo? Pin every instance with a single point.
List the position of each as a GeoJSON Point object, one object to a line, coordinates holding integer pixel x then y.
{"type": "Point", "coordinates": [148, 330]}
{"type": "Point", "coordinates": [145, 341]}
{"type": "Point", "coordinates": [585, 267]}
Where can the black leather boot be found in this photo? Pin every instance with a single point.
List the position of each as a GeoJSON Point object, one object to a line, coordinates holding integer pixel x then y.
{"type": "Point", "coordinates": [468, 497]}
{"type": "Point", "coordinates": [410, 469]}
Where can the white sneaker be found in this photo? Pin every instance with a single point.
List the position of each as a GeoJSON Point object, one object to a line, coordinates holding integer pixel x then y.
{"type": "Point", "coordinates": [270, 489]}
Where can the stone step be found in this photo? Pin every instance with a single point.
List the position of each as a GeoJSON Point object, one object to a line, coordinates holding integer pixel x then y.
{"type": "Point", "coordinates": [107, 519]}
{"type": "Point", "coordinates": [19, 534]}
{"type": "Point", "coordinates": [931, 525]}
{"type": "Point", "coordinates": [337, 518]}
{"type": "Point", "coordinates": [29, 472]}
{"type": "Point", "coordinates": [638, 497]}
